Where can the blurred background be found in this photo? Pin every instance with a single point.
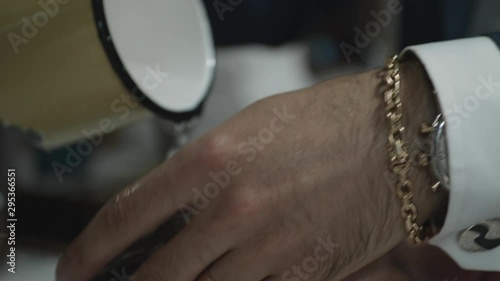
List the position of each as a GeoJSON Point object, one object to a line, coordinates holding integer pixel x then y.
{"type": "Point", "coordinates": [263, 47]}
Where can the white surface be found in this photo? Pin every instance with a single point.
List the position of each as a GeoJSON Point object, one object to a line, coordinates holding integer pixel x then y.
{"type": "Point", "coordinates": [171, 35]}
{"type": "Point", "coordinates": [455, 68]}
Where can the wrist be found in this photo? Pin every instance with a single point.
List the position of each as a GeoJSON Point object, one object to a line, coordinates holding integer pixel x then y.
{"type": "Point", "coordinates": [419, 105]}
{"type": "Point", "coordinates": [358, 102]}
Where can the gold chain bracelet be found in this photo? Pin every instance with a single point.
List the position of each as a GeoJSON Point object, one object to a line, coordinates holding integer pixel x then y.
{"type": "Point", "coordinates": [398, 150]}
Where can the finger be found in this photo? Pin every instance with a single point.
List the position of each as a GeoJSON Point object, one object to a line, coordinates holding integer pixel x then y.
{"type": "Point", "coordinates": [130, 215]}
{"type": "Point", "coordinates": [190, 252]}
{"type": "Point", "coordinates": [248, 263]}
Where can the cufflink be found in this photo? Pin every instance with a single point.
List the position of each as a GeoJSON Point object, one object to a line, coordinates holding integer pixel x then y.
{"type": "Point", "coordinates": [481, 237]}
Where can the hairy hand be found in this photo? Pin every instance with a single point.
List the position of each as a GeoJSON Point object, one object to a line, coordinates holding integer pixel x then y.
{"type": "Point", "coordinates": [292, 188]}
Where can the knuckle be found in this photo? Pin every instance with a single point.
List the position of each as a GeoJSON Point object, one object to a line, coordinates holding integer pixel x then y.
{"type": "Point", "coordinates": [217, 149]}
{"type": "Point", "coordinates": [242, 202]}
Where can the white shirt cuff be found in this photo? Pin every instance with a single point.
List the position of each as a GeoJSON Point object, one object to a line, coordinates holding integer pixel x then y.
{"type": "Point", "coordinates": [466, 75]}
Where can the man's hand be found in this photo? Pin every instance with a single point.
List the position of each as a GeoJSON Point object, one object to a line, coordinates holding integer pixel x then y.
{"type": "Point", "coordinates": [295, 187]}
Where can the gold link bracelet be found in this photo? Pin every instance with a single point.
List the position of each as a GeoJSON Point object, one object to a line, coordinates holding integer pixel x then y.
{"type": "Point", "coordinates": [398, 150]}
